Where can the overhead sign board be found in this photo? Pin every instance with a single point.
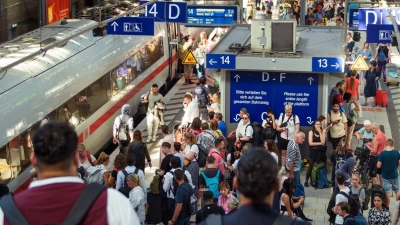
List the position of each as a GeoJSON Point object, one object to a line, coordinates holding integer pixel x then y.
{"type": "Point", "coordinates": [189, 58]}
{"type": "Point", "coordinates": [353, 18]}
{"type": "Point", "coordinates": [378, 33]}
{"type": "Point", "coordinates": [367, 16]}
{"type": "Point", "coordinates": [360, 64]}
{"type": "Point", "coordinates": [327, 64]}
{"type": "Point", "coordinates": [260, 91]}
{"type": "Point", "coordinates": [166, 11]}
{"type": "Point", "coordinates": [220, 61]}
{"type": "Point", "coordinates": [212, 15]}
{"type": "Point", "coordinates": [131, 26]}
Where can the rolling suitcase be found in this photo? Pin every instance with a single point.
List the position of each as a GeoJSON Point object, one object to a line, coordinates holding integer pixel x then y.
{"type": "Point", "coordinates": [381, 98]}
{"type": "Point", "coordinates": [391, 74]}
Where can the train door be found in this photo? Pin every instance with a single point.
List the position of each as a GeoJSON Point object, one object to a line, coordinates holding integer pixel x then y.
{"type": "Point", "coordinates": [172, 35]}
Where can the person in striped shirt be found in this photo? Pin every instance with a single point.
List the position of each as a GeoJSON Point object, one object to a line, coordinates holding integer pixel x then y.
{"type": "Point", "coordinates": [293, 162]}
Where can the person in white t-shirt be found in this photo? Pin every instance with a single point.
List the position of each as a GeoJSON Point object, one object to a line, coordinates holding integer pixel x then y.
{"type": "Point", "coordinates": [191, 155]}
{"type": "Point", "coordinates": [191, 111]}
{"type": "Point", "coordinates": [288, 124]}
{"type": "Point", "coordinates": [240, 124]}
{"type": "Point", "coordinates": [340, 180]}
{"type": "Point", "coordinates": [260, 14]}
{"type": "Point", "coordinates": [246, 131]}
{"type": "Point", "coordinates": [86, 159]}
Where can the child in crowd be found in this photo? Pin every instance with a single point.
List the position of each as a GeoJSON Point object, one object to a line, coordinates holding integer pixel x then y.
{"type": "Point", "coordinates": [339, 157]}
{"type": "Point", "coordinates": [225, 190]}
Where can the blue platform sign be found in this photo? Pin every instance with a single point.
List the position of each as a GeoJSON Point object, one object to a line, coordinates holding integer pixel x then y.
{"type": "Point", "coordinates": [221, 61]}
{"type": "Point", "coordinates": [212, 15]}
{"type": "Point", "coordinates": [166, 11]}
{"type": "Point", "coordinates": [377, 33]}
{"type": "Point", "coordinates": [327, 64]}
{"type": "Point", "coordinates": [131, 26]}
{"type": "Point", "coordinates": [368, 16]}
{"type": "Point", "coordinates": [353, 18]}
{"type": "Point", "coordinates": [260, 91]}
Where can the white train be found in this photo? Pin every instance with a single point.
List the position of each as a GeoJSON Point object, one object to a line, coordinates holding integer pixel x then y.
{"type": "Point", "coordinates": [84, 82]}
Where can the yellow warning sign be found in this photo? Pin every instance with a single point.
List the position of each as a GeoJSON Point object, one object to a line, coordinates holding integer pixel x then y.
{"type": "Point", "coordinates": [359, 64]}
{"type": "Point", "coordinates": [189, 58]}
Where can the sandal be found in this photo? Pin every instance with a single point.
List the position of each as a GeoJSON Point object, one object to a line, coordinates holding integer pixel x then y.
{"type": "Point", "coordinates": [365, 104]}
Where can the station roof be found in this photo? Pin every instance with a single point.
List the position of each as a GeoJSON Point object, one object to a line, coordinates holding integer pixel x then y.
{"type": "Point", "coordinates": [313, 42]}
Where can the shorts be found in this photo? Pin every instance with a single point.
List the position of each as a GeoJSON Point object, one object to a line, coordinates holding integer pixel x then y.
{"type": "Point", "coordinates": [283, 143]}
{"type": "Point", "coordinates": [187, 68]}
{"type": "Point", "coordinates": [391, 184]}
{"type": "Point", "coordinates": [373, 169]}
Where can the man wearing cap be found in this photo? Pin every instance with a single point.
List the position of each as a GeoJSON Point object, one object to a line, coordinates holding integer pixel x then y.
{"type": "Point", "coordinates": [209, 207]}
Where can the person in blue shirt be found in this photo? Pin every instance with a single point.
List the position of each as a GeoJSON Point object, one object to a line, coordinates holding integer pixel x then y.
{"type": "Point", "coordinates": [388, 161]}
{"type": "Point", "coordinates": [365, 132]}
{"type": "Point", "coordinates": [221, 124]}
{"type": "Point", "coordinates": [182, 201]}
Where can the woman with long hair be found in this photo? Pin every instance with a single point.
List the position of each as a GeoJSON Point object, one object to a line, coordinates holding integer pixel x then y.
{"type": "Point", "coordinates": [195, 127]}
{"type": "Point", "coordinates": [138, 148]}
{"type": "Point", "coordinates": [287, 202]}
{"type": "Point", "coordinates": [215, 106]}
{"type": "Point", "coordinates": [317, 151]}
{"type": "Point", "coordinates": [270, 147]}
{"type": "Point", "coordinates": [119, 164]}
{"type": "Point", "coordinates": [379, 214]}
{"type": "Point", "coordinates": [366, 53]}
{"type": "Point", "coordinates": [357, 188]}
{"type": "Point", "coordinates": [371, 83]}
{"type": "Point", "coordinates": [191, 153]}
{"type": "Point", "coordinates": [214, 128]}
{"type": "Point", "coordinates": [101, 164]}
{"type": "Point", "coordinates": [352, 84]}
{"type": "Point", "coordinates": [136, 196]}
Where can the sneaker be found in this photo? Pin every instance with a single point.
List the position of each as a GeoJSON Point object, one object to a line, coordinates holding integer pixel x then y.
{"type": "Point", "coordinates": [148, 139]}
{"type": "Point", "coordinates": [306, 184]}
{"type": "Point", "coordinates": [281, 171]}
{"type": "Point", "coordinates": [154, 138]}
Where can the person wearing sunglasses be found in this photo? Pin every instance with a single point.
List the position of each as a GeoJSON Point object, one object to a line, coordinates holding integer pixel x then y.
{"type": "Point", "coordinates": [246, 131]}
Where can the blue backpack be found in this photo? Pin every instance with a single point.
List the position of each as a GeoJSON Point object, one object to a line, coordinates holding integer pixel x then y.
{"type": "Point", "coordinates": [359, 220]}
{"type": "Point", "coordinates": [323, 181]}
{"type": "Point", "coordinates": [212, 183]}
{"type": "Point", "coordinates": [381, 57]}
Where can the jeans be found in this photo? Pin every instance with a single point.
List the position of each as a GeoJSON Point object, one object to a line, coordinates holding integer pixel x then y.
{"type": "Point", "coordinates": [382, 69]}
{"type": "Point", "coordinates": [391, 184]}
{"type": "Point", "coordinates": [300, 188]}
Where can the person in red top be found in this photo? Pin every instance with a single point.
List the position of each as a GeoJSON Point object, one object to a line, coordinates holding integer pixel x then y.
{"type": "Point", "coordinates": [51, 198]}
{"type": "Point", "coordinates": [218, 153]}
{"type": "Point", "coordinates": [376, 147]}
{"type": "Point", "coordinates": [352, 84]}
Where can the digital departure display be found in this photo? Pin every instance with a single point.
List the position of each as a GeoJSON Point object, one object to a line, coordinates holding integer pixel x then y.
{"type": "Point", "coordinates": [212, 15]}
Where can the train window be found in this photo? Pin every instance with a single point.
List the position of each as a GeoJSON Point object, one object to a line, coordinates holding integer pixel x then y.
{"type": "Point", "coordinates": [135, 65]}
{"type": "Point", "coordinates": [96, 97]}
{"type": "Point", "coordinates": [15, 155]}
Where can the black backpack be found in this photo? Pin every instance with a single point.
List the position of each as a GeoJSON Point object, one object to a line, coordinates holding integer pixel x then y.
{"type": "Point", "coordinates": [258, 134]}
{"type": "Point", "coordinates": [202, 156]}
{"type": "Point", "coordinates": [174, 183]}
{"type": "Point", "coordinates": [75, 216]}
{"type": "Point", "coordinates": [269, 132]}
{"type": "Point", "coordinates": [353, 201]}
{"type": "Point", "coordinates": [125, 189]}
